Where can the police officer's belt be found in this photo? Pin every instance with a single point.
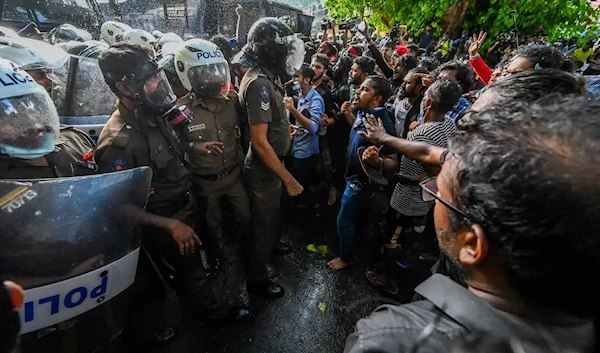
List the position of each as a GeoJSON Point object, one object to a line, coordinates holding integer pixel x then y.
{"type": "Point", "coordinates": [216, 177]}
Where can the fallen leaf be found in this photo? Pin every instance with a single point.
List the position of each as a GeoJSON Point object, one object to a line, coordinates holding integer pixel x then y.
{"type": "Point", "coordinates": [323, 249]}
{"type": "Point", "coordinates": [311, 247]}
{"type": "Point", "coordinates": [322, 307]}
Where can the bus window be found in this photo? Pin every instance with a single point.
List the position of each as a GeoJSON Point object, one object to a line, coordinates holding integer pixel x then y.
{"type": "Point", "coordinates": [76, 12]}
{"type": "Point", "coordinates": [14, 11]}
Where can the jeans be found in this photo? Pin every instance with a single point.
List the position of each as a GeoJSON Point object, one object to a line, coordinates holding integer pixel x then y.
{"type": "Point", "coordinates": [265, 199]}
{"type": "Point", "coordinates": [355, 196]}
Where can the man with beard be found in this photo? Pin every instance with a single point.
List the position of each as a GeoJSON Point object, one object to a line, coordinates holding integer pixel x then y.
{"type": "Point", "coordinates": [501, 196]}
{"type": "Point", "coordinates": [329, 135]}
{"type": "Point", "coordinates": [408, 103]}
{"type": "Point", "coordinates": [403, 65]}
{"type": "Point", "coordinates": [409, 209]}
{"type": "Point", "coordinates": [369, 100]}
{"type": "Point", "coordinates": [362, 67]}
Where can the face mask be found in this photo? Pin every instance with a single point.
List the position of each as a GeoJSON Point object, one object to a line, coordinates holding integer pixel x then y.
{"type": "Point", "coordinates": [28, 153]}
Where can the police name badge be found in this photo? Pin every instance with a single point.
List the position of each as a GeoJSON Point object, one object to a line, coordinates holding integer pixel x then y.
{"type": "Point", "coordinates": [265, 97]}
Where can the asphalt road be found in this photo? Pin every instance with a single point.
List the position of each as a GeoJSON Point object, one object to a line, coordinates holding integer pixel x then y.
{"type": "Point", "coordinates": [316, 314]}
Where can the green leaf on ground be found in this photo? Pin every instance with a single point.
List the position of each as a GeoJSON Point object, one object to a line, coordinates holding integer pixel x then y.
{"type": "Point", "coordinates": [323, 249]}
{"type": "Point", "coordinates": [311, 247]}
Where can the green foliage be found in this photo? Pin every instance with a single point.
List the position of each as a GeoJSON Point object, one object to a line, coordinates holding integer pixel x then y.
{"type": "Point", "coordinates": [559, 18]}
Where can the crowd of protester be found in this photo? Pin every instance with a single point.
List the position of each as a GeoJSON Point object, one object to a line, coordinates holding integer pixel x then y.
{"type": "Point", "coordinates": [503, 143]}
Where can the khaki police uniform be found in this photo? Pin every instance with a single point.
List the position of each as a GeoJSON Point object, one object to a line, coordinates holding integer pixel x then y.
{"type": "Point", "coordinates": [262, 101]}
{"type": "Point", "coordinates": [131, 140]}
{"type": "Point", "coordinates": [67, 160]}
{"type": "Point", "coordinates": [217, 177]}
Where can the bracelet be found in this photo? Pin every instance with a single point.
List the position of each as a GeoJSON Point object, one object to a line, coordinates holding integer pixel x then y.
{"type": "Point", "coordinates": [474, 57]}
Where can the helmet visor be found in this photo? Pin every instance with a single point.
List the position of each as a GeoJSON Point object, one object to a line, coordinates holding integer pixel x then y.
{"type": "Point", "coordinates": [211, 81]}
{"type": "Point", "coordinates": [47, 57]}
{"type": "Point", "coordinates": [157, 90]}
{"type": "Point", "coordinates": [295, 57]}
{"type": "Point", "coordinates": [26, 121]}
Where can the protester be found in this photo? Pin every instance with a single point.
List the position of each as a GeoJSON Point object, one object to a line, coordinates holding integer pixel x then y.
{"type": "Point", "coordinates": [491, 225]}
{"type": "Point", "coordinates": [370, 99]}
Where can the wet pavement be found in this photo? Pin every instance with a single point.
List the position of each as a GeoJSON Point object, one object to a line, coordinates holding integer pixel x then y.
{"type": "Point", "coordinates": [320, 306]}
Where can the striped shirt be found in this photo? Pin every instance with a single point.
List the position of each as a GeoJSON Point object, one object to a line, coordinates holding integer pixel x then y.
{"type": "Point", "coordinates": [407, 198]}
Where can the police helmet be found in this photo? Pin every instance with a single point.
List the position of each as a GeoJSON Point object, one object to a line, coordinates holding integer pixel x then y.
{"type": "Point", "coordinates": [89, 49]}
{"type": "Point", "coordinates": [139, 36]}
{"type": "Point", "coordinates": [29, 123]}
{"type": "Point", "coordinates": [202, 68]}
{"type": "Point", "coordinates": [67, 32]}
{"type": "Point", "coordinates": [148, 78]}
{"type": "Point", "coordinates": [272, 43]}
{"type": "Point", "coordinates": [112, 31]}
{"type": "Point", "coordinates": [169, 37]}
{"type": "Point", "coordinates": [30, 54]}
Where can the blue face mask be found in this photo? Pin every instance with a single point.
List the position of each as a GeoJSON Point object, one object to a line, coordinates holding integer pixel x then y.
{"type": "Point", "coordinates": [30, 153]}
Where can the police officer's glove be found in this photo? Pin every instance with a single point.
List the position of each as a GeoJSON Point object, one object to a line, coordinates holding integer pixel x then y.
{"type": "Point", "coordinates": [185, 237]}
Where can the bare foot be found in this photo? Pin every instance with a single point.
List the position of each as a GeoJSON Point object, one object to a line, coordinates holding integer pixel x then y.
{"type": "Point", "coordinates": [337, 264]}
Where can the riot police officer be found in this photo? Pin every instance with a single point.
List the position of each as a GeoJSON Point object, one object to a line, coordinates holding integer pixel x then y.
{"type": "Point", "coordinates": [216, 156]}
{"type": "Point", "coordinates": [41, 60]}
{"type": "Point", "coordinates": [137, 134]}
{"type": "Point", "coordinates": [32, 144]}
{"type": "Point", "coordinates": [275, 50]}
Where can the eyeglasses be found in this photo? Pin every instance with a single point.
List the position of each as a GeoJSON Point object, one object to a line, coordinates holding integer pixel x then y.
{"type": "Point", "coordinates": [430, 193]}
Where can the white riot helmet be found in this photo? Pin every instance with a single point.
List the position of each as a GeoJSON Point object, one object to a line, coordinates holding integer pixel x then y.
{"type": "Point", "coordinates": [29, 124]}
{"type": "Point", "coordinates": [202, 68]}
{"type": "Point", "coordinates": [7, 32]}
{"type": "Point", "coordinates": [30, 54]}
{"type": "Point", "coordinates": [171, 48]}
{"type": "Point", "coordinates": [139, 36]}
{"type": "Point", "coordinates": [157, 33]}
{"type": "Point", "coordinates": [112, 31]}
{"type": "Point", "coordinates": [169, 37]}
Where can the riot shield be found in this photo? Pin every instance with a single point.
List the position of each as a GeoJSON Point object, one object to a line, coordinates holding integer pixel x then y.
{"type": "Point", "coordinates": [86, 93]}
{"type": "Point", "coordinates": [70, 243]}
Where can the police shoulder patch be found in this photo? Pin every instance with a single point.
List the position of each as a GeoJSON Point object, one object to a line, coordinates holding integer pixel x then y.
{"type": "Point", "coordinates": [118, 165]}
{"type": "Point", "coordinates": [265, 93]}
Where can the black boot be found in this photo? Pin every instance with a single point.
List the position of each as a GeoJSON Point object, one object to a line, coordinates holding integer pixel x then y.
{"type": "Point", "coordinates": [267, 289]}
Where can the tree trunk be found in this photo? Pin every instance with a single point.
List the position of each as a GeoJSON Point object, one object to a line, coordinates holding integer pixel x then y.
{"type": "Point", "coordinates": [454, 17]}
